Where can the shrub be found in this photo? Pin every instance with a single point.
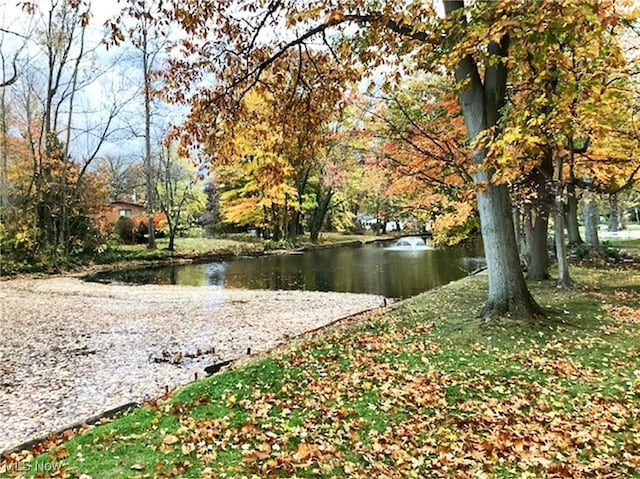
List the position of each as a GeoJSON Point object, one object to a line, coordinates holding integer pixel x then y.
{"type": "Point", "coordinates": [126, 230]}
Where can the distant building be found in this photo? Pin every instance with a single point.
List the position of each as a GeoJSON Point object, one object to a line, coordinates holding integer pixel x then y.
{"type": "Point", "coordinates": [366, 221]}
{"type": "Point", "coordinates": [117, 209]}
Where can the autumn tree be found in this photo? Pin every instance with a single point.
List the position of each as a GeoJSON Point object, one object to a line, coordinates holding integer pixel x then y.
{"type": "Point", "coordinates": [47, 102]}
{"type": "Point", "coordinates": [227, 53]}
{"type": "Point", "coordinates": [352, 174]}
{"type": "Point", "coordinates": [176, 189]}
{"type": "Point", "coordinates": [273, 159]}
{"type": "Point", "coordinates": [420, 138]}
{"type": "Point", "coordinates": [562, 106]}
{"type": "Point", "coordinates": [258, 188]}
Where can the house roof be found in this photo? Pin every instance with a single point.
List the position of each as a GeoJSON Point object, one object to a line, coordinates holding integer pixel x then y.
{"type": "Point", "coordinates": [128, 203]}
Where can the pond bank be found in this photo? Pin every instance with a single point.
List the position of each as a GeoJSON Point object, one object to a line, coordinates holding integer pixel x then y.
{"type": "Point", "coordinates": [221, 250]}
{"type": "Point", "coordinates": [74, 349]}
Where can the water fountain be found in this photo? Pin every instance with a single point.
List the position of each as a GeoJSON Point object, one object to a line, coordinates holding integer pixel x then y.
{"type": "Point", "coordinates": [410, 243]}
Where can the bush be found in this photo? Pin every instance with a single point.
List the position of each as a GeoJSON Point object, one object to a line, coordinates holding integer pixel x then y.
{"type": "Point", "coordinates": [602, 252]}
{"type": "Point", "coordinates": [126, 230]}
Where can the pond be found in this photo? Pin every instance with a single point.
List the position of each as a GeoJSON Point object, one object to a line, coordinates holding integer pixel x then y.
{"type": "Point", "coordinates": [376, 268]}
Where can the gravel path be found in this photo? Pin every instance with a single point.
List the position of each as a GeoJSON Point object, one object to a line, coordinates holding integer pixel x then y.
{"type": "Point", "coordinates": [72, 349]}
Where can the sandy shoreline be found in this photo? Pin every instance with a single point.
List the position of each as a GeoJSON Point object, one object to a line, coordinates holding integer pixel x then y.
{"type": "Point", "coordinates": [73, 349]}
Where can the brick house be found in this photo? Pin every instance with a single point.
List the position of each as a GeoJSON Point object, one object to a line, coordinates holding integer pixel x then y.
{"type": "Point", "coordinates": [116, 209]}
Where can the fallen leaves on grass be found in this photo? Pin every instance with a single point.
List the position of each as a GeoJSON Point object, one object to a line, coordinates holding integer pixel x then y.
{"type": "Point", "coordinates": [395, 397]}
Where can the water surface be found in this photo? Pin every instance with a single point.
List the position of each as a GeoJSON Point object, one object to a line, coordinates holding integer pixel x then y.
{"type": "Point", "coordinates": [374, 268]}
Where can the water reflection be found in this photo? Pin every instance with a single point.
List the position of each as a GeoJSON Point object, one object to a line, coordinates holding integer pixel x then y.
{"type": "Point", "coordinates": [370, 269]}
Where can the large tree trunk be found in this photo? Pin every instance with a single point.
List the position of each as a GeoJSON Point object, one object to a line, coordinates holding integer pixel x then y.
{"type": "Point", "coordinates": [508, 291]}
{"type": "Point", "coordinates": [573, 232]}
{"type": "Point", "coordinates": [564, 280]}
{"type": "Point", "coordinates": [538, 255]}
{"type": "Point", "coordinates": [481, 103]}
{"type": "Point", "coordinates": [614, 212]}
{"type": "Point", "coordinates": [591, 219]}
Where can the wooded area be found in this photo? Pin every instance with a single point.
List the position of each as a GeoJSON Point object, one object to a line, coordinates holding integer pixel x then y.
{"type": "Point", "coordinates": [140, 133]}
{"type": "Point", "coordinates": [295, 117]}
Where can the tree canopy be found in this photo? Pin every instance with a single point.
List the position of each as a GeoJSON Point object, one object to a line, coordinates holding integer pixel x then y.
{"type": "Point", "coordinates": [466, 108]}
{"type": "Point", "coordinates": [559, 65]}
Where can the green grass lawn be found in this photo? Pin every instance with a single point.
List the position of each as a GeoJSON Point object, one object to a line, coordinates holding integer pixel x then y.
{"type": "Point", "coordinates": [630, 245]}
{"type": "Point", "coordinates": [240, 244]}
{"type": "Point", "coordinates": [627, 239]}
{"type": "Point", "coordinates": [184, 247]}
{"type": "Point", "coordinates": [422, 390]}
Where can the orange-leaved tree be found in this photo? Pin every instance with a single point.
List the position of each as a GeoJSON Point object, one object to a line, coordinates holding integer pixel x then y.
{"type": "Point", "coordinates": [420, 138]}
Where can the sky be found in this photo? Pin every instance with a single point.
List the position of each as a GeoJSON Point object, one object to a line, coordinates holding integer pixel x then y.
{"type": "Point", "coordinates": [13, 17]}
{"type": "Point", "coordinates": [116, 83]}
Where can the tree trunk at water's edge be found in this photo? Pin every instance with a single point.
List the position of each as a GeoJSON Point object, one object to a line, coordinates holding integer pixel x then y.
{"type": "Point", "coordinates": [481, 103]}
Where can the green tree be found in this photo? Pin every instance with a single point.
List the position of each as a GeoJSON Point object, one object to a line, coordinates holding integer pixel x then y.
{"type": "Point", "coordinates": [176, 186]}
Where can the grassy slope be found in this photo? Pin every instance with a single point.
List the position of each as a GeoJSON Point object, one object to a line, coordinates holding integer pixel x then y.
{"type": "Point", "coordinates": [424, 390]}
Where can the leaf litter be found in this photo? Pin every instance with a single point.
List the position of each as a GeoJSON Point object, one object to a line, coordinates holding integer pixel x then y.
{"type": "Point", "coordinates": [73, 349]}
{"type": "Point", "coordinates": [423, 390]}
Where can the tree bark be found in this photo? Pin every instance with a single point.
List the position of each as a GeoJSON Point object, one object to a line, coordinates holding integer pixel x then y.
{"type": "Point", "coordinates": [519, 230]}
{"type": "Point", "coordinates": [481, 104]}
{"type": "Point", "coordinates": [539, 256]}
{"type": "Point", "coordinates": [573, 232]}
{"type": "Point", "coordinates": [508, 291]}
{"type": "Point", "coordinates": [4, 155]}
{"type": "Point", "coordinates": [528, 231]}
{"type": "Point", "coordinates": [591, 219]}
{"type": "Point", "coordinates": [148, 167]}
{"type": "Point", "coordinates": [564, 280]}
{"type": "Point", "coordinates": [319, 214]}
{"type": "Point", "coordinates": [614, 212]}
{"type": "Point", "coordinates": [172, 238]}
